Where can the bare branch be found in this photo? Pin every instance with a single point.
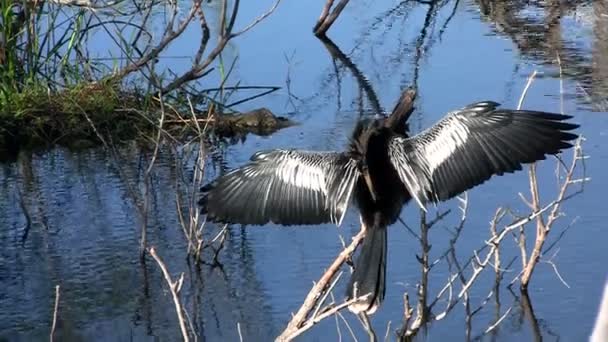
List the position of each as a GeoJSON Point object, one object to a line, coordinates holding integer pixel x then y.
{"type": "Point", "coordinates": [238, 328]}
{"type": "Point", "coordinates": [493, 326]}
{"type": "Point", "coordinates": [550, 262]}
{"type": "Point", "coordinates": [320, 317]}
{"type": "Point", "coordinates": [174, 288]}
{"type": "Point", "coordinates": [299, 319]}
{"type": "Point", "coordinates": [543, 228]}
{"type": "Point", "coordinates": [171, 33]}
{"type": "Point", "coordinates": [327, 19]}
{"type": "Point", "coordinates": [526, 88]}
{"type": "Point", "coordinates": [55, 313]}
{"type": "Point", "coordinates": [258, 19]}
{"type": "Point", "coordinates": [199, 69]}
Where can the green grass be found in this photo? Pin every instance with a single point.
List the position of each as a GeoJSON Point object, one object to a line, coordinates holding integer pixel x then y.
{"type": "Point", "coordinates": [44, 97]}
{"type": "Point", "coordinates": [48, 97]}
{"type": "Point", "coordinates": [52, 91]}
{"type": "Point", "coordinates": [38, 116]}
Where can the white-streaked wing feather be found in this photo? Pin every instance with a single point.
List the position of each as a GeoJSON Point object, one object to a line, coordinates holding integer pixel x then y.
{"type": "Point", "coordinates": [470, 145]}
{"type": "Point", "coordinates": [285, 187]}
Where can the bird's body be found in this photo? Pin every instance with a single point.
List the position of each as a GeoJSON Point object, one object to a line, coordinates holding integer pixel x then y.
{"type": "Point", "coordinates": [381, 170]}
{"type": "Point", "coordinates": [370, 145]}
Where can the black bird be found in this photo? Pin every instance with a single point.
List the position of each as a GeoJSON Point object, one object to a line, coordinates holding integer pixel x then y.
{"type": "Point", "coordinates": [381, 170]}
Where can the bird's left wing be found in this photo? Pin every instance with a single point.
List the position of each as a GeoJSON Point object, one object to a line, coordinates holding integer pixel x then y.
{"type": "Point", "coordinates": [283, 186]}
{"type": "Point", "coordinates": [470, 145]}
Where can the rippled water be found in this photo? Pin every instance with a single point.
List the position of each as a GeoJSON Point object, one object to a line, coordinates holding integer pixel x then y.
{"type": "Point", "coordinates": [70, 217]}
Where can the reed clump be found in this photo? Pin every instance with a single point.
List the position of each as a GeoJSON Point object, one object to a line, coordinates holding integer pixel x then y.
{"type": "Point", "coordinates": [76, 115]}
{"type": "Point", "coordinates": [57, 87]}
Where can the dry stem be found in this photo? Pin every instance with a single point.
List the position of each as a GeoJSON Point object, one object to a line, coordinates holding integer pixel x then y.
{"type": "Point", "coordinates": [174, 287]}
{"type": "Point", "coordinates": [190, 221]}
{"type": "Point", "coordinates": [543, 227]}
{"type": "Point", "coordinates": [175, 28]}
{"type": "Point", "coordinates": [55, 313]}
{"type": "Point", "coordinates": [327, 19]}
{"type": "Point", "coordinates": [299, 323]}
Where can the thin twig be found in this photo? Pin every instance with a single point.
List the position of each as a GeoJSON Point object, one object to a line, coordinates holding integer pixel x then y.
{"type": "Point", "coordinates": [238, 328]}
{"type": "Point", "coordinates": [55, 314]}
{"type": "Point", "coordinates": [550, 262]}
{"type": "Point", "coordinates": [317, 291]}
{"type": "Point", "coordinates": [329, 290]}
{"type": "Point", "coordinates": [493, 326]}
{"type": "Point", "coordinates": [144, 211]}
{"type": "Point", "coordinates": [258, 19]}
{"type": "Point", "coordinates": [327, 19]}
{"type": "Point", "coordinates": [543, 227]}
{"type": "Point", "coordinates": [174, 288]}
{"type": "Point", "coordinates": [320, 317]}
{"type": "Point", "coordinates": [525, 91]}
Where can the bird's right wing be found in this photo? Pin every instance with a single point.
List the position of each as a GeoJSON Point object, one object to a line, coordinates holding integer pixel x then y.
{"type": "Point", "coordinates": [283, 186]}
{"type": "Point", "coordinates": [472, 144]}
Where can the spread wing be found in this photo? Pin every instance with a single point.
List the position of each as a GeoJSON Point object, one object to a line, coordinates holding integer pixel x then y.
{"type": "Point", "coordinates": [283, 186]}
{"type": "Point", "coordinates": [470, 145]}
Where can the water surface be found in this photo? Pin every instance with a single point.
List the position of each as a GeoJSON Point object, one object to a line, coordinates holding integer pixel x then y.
{"type": "Point", "coordinates": [70, 217]}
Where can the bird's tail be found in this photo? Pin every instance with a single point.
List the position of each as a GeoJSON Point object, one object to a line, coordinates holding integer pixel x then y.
{"type": "Point", "coordinates": [370, 272]}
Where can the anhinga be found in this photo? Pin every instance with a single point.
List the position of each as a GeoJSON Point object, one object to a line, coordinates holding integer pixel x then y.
{"type": "Point", "coordinates": [381, 170]}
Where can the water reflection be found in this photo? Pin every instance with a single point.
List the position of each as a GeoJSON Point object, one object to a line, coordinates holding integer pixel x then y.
{"type": "Point", "coordinates": [545, 31]}
{"type": "Point", "coordinates": [362, 81]}
{"type": "Point", "coordinates": [69, 219]}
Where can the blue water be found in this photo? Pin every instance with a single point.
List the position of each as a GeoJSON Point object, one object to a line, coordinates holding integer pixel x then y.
{"type": "Point", "coordinates": [84, 231]}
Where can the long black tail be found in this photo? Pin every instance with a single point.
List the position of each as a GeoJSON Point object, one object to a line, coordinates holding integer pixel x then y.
{"type": "Point", "coordinates": [370, 272]}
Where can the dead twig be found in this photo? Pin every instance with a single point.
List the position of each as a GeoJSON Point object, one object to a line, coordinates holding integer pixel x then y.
{"type": "Point", "coordinates": [174, 288]}
{"type": "Point", "coordinates": [526, 88]}
{"type": "Point", "coordinates": [55, 314]}
{"type": "Point", "coordinates": [298, 323]}
{"type": "Point", "coordinates": [144, 211]}
{"type": "Point", "coordinates": [319, 318]}
{"type": "Point", "coordinates": [498, 321]}
{"type": "Point", "coordinates": [174, 29]}
{"type": "Point", "coordinates": [543, 227]}
{"type": "Point", "coordinates": [327, 19]}
{"type": "Point", "coordinates": [171, 32]}
{"type": "Point", "coordinates": [200, 68]}
{"type": "Point", "coordinates": [422, 309]}
{"type": "Point", "coordinates": [190, 219]}
{"type": "Point", "coordinates": [238, 329]}
{"type": "Point", "coordinates": [409, 327]}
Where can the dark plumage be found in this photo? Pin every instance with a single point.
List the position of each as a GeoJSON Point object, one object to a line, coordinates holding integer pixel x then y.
{"type": "Point", "coordinates": [382, 169]}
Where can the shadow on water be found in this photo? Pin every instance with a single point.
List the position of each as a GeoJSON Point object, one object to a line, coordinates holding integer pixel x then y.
{"type": "Point", "coordinates": [68, 217]}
